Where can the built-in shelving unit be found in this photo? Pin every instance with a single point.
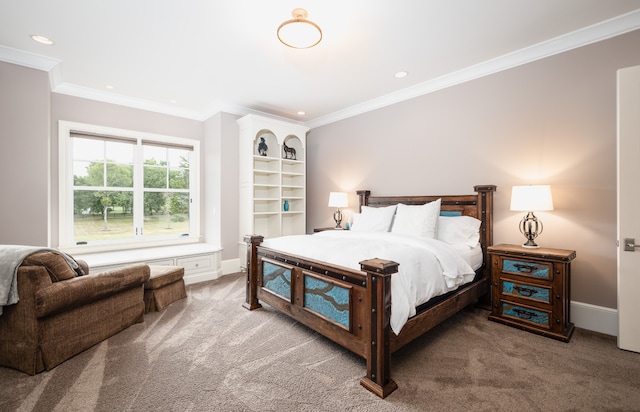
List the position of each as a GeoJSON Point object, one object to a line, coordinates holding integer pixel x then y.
{"type": "Point", "coordinates": [271, 177]}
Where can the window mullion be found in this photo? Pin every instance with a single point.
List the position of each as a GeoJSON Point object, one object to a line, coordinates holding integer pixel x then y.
{"type": "Point", "coordinates": [138, 192]}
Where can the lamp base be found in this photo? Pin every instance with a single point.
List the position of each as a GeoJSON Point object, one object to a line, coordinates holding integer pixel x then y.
{"type": "Point", "coordinates": [530, 243]}
{"type": "Point", "coordinates": [337, 216]}
{"type": "Point", "coordinates": [530, 227]}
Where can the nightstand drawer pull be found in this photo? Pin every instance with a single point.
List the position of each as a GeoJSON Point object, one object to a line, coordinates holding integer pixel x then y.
{"type": "Point", "coordinates": [530, 315]}
{"type": "Point", "coordinates": [524, 314]}
{"type": "Point", "coordinates": [526, 291]}
{"type": "Point", "coordinates": [526, 268]}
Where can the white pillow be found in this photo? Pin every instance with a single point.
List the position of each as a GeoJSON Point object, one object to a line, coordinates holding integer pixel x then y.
{"type": "Point", "coordinates": [420, 221]}
{"type": "Point", "coordinates": [459, 230]}
{"type": "Point", "coordinates": [373, 219]}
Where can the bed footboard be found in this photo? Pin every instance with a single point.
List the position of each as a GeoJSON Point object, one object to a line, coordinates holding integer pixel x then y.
{"type": "Point", "coordinates": [352, 308]}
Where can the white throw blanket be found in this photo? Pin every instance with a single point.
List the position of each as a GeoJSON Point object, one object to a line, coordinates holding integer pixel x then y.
{"type": "Point", "coordinates": [427, 267]}
{"type": "Point", "coordinates": [11, 257]}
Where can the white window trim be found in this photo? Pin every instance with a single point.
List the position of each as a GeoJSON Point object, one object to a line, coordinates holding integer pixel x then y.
{"type": "Point", "coordinates": [65, 189]}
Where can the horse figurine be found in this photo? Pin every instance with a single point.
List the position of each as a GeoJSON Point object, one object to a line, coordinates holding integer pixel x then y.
{"type": "Point", "coordinates": [262, 147]}
{"type": "Point", "coordinates": [289, 152]}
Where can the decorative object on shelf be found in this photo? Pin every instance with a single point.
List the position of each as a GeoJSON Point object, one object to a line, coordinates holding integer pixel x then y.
{"type": "Point", "coordinates": [285, 206]}
{"type": "Point", "coordinates": [529, 199]}
{"type": "Point", "coordinates": [289, 152]}
{"type": "Point", "coordinates": [262, 147]}
{"type": "Point", "coordinates": [299, 33]}
{"type": "Point", "coordinates": [338, 200]}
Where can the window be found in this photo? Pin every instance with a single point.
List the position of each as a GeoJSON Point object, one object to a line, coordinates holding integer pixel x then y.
{"type": "Point", "coordinates": [122, 189]}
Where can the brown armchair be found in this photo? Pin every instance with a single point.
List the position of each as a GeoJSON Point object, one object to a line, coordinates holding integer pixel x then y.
{"type": "Point", "coordinates": [60, 314]}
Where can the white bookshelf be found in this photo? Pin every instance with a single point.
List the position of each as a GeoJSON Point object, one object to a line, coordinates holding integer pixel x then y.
{"type": "Point", "coordinates": [267, 181]}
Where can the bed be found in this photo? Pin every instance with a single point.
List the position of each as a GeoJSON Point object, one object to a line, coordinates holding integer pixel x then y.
{"type": "Point", "coordinates": [352, 306]}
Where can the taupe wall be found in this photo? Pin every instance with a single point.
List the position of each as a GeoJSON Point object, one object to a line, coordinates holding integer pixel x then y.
{"type": "Point", "coordinates": [221, 191]}
{"type": "Point", "coordinates": [24, 155]}
{"type": "Point", "coordinates": [550, 122]}
{"type": "Point", "coordinates": [230, 185]}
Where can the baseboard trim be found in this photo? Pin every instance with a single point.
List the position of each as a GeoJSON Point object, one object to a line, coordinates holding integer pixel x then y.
{"type": "Point", "coordinates": [202, 277]}
{"type": "Point", "coordinates": [230, 266]}
{"type": "Point", "coordinates": [227, 267]}
{"type": "Point", "coordinates": [594, 318]}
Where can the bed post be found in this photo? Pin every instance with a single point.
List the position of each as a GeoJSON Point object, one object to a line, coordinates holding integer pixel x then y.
{"type": "Point", "coordinates": [363, 197]}
{"type": "Point", "coordinates": [251, 296]}
{"type": "Point", "coordinates": [485, 208]}
{"type": "Point", "coordinates": [378, 379]}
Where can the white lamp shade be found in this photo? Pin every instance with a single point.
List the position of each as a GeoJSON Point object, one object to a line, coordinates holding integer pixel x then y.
{"type": "Point", "coordinates": [531, 198]}
{"type": "Point", "coordinates": [338, 199]}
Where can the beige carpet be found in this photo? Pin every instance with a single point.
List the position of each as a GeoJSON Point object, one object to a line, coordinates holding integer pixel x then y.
{"type": "Point", "coordinates": [207, 353]}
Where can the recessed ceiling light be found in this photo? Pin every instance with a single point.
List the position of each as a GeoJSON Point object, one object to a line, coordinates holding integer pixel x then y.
{"type": "Point", "coordinates": [400, 75]}
{"type": "Point", "coordinates": [42, 39]}
{"type": "Point", "coordinates": [174, 101]}
{"type": "Point", "coordinates": [110, 87]}
{"type": "Point", "coordinates": [301, 113]}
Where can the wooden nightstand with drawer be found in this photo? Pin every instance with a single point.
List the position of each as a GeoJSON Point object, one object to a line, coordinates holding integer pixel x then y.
{"type": "Point", "coordinates": [530, 289]}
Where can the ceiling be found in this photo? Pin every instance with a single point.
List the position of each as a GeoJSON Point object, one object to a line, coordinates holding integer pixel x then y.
{"type": "Point", "coordinates": [194, 58]}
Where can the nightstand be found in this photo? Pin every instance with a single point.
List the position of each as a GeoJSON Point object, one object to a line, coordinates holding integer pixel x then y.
{"type": "Point", "coordinates": [322, 229]}
{"type": "Point", "coordinates": [530, 289]}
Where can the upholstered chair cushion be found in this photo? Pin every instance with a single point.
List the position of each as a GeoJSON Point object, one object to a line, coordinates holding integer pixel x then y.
{"type": "Point", "coordinates": [55, 263]}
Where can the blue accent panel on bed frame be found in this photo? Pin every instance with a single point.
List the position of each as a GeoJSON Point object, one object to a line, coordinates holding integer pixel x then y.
{"type": "Point", "coordinates": [276, 279]}
{"type": "Point", "coordinates": [450, 213]}
{"type": "Point", "coordinates": [327, 299]}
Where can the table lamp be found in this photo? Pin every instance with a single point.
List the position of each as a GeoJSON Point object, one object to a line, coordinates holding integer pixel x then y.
{"type": "Point", "coordinates": [529, 199]}
{"type": "Point", "coordinates": [338, 200]}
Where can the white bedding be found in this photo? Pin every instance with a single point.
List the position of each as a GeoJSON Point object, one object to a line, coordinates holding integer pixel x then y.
{"type": "Point", "coordinates": [427, 267]}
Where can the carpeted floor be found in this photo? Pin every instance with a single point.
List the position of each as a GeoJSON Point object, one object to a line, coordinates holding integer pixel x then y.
{"type": "Point", "coordinates": [207, 353]}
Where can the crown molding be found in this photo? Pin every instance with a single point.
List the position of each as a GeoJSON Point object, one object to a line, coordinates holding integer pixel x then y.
{"type": "Point", "coordinates": [121, 100]}
{"type": "Point", "coordinates": [34, 61]}
{"type": "Point", "coordinates": [23, 58]}
{"type": "Point", "coordinates": [601, 31]}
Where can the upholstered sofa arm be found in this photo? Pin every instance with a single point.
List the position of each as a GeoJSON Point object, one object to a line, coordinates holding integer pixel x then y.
{"type": "Point", "coordinates": [83, 265]}
{"type": "Point", "coordinates": [78, 291]}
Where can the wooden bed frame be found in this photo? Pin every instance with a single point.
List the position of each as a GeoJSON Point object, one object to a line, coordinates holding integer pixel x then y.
{"type": "Point", "coordinates": [365, 296]}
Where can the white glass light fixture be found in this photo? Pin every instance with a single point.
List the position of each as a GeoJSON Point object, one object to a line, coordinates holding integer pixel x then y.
{"type": "Point", "coordinates": [529, 199]}
{"type": "Point", "coordinates": [338, 200]}
{"type": "Point", "coordinates": [299, 32]}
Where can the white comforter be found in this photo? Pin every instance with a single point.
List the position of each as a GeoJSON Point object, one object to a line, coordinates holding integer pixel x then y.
{"type": "Point", "coordinates": [427, 267]}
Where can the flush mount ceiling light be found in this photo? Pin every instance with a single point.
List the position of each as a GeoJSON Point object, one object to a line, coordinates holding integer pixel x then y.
{"type": "Point", "coordinates": [299, 32]}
